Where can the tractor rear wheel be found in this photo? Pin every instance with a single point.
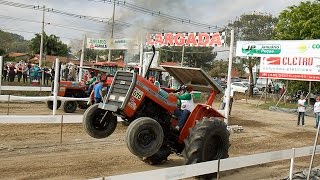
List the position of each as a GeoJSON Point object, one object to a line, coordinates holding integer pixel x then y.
{"type": "Point", "coordinates": [50, 104]}
{"type": "Point", "coordinates": [70, 106]}
{"type": "Point", "coordinates": [158, 157]}
{"type": "Point", "coordinates": [97, 123]}
{"type": "Point", "coordinates": [144, 137]}
{"type": "Point", "coordinates": [82, 105]}
{"type": "Point", "coordinates": [208, 140]}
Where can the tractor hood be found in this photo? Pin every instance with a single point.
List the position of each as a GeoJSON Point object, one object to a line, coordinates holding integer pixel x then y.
{"type": "Point", "coordinates": [195, 78]}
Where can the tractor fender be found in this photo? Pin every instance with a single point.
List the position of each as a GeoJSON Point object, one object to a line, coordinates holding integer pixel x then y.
{"type": "Point", "coordinates": [198, 113]}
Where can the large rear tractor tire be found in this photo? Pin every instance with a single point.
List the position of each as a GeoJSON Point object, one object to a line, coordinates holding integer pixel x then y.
{"type": "Point", "coordinates": [208, 140]}
{"type": "Point", "coordinates": [97, 127]}
{"type": "Point", "coordinates": [70, 106]}
{"type": "Point", "coordinates": [50, 104]}
{"type": "Point", "coordinates": [144, 137]}
{"type": "Point", "coordinates": [158, 157]}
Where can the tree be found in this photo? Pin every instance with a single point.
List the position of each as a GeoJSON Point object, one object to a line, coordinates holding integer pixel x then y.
{"type": "Point", "coordinates": [10, 42]}
{"type": "Point", "coordinates": [200, 57]}
{"type": "Point", "coordinates": [257, 26]}
{"type": "Point", "coordinates": [299, 23]}
{"type": "Point", "coordinates": [219, 68]}
{"type": "Point", "coordinates": [52, 45]}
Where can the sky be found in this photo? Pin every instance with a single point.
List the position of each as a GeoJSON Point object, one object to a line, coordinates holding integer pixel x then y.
{"type": "Point", "coordinates": [27, 22]}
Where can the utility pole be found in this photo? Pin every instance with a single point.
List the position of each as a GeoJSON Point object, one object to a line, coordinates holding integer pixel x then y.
{"type": "Point", "coordinates": [82, 56]}
{"type": "Point", "coordinates": [42, 34]}
{"type": "Point", "coordinates": [228, 90]}
{"type": "Point", "coordinates": [111, 40]}
{"type": "Point", "coordinates": [182, 56]}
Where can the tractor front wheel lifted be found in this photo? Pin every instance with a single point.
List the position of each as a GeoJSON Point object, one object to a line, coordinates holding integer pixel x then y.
{"type": "Point", "coordinates": [99, 123]}
{"type": "Point", "coordinates": [144, 137]}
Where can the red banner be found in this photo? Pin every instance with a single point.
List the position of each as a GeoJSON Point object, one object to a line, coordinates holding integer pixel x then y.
{"type": "Point", "coordinates": [187, 39]}
{"type": "Point", "coordinates": [290, 76]}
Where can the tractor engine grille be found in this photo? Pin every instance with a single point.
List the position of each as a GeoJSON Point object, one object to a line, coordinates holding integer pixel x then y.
{"type": "Point", "coordinates": [121, 88]}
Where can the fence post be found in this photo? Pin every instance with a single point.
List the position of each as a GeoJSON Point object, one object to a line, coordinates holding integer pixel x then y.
{"type": "Point", "coordinates": [292, 163]}
{"type": "Point", "coordinates": [55, 87]}
{"type": "Point", "coordinates": [313, 152]}
{"type": "Point", "coordinates": [1, 68]}
{"type": "Point", "coordinates": [8, 104]}
{"type": "Point", "coordinates": [61, 125]}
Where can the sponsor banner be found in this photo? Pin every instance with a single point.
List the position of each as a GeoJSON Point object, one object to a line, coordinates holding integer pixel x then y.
{"type": "Point", "coordinates": [202, 39]}
{"type": "Point", "coordinates": [294, 68]}
{"type": "Point", "coordinates": [287, 48]}
{"type": "Point", "coordinates": [123, 44]}
{"type": "Point", "coordinates": [103, 44]}
{"type": "Point", "coordinates": [97, 43]}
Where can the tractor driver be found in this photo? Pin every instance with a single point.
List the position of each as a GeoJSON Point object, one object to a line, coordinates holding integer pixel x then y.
{"type": "Point", "coordinates": [185, 106]}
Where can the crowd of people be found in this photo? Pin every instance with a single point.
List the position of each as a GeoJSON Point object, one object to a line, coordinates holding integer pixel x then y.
{"type": "Point", "coordinates": [27, 72]}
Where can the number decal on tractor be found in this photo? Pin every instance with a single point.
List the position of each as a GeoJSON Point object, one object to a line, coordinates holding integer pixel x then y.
{"type": "Point", "coordinates": [137, 93]}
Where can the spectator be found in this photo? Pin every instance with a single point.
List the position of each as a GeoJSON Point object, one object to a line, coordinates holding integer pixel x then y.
{"type": "Point", "coordinates": [66, 73]}
{"type": "Point", "coordinates": [12, 73]}
{"type": "Point", "coordinates": [97, 91]}
{"type": "Point", "coordinates": [317, 111]}
{"type": "Point", "coordinates": [25, 72]}
{"type": "Point", "coordinates": [36, 70]}
{"type": "Point", "coordinates": [72, 73]}
{"type": "Point", "coordinates": [301, 109]}
{"type": "Point", "coordinates": [19, 72]}
{"type": "Point", "coordinates": [276, 89]}
{"type": "Point", "coordinates": [269, 88]}
{"type": "Point", "coordinates": [224, 100]}
{"type": "Point", "coordinates": [46, 75]}
{"type": "Point", "coordinates": [63, 67]}
{"type": "Point", "coordinates": [4, 72]}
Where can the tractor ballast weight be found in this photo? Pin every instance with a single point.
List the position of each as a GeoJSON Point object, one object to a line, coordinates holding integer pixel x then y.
{"type": "Point", "coordinates": [149, 110]}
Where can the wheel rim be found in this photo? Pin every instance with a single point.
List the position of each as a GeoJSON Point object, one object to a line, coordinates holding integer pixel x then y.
{"type": "Point", "coordinates": [145, 137]}
{"type": "Point", "coordinates": [70, 105]}
{"type": "Point", "coordinates": [213, 148]}
{"type": "Point", "coordinates": [98, 122]}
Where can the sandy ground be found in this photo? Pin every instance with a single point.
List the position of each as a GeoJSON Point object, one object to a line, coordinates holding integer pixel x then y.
{"type": "Point", "coordinates": [35, 151]}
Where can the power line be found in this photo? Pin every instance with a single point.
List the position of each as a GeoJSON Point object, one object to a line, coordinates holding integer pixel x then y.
{"type": "Point", "coordinates": [53, 24]}
{"type": "Point", "coordinates": [82, 17]}
{"type": "Point", "coordinates": [151, 12]}
{"type": "Point", "coordinates": [33, 32]}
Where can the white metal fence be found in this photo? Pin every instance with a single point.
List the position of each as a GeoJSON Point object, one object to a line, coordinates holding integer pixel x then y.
{"type": "Point", "coordinates": [192, 170]}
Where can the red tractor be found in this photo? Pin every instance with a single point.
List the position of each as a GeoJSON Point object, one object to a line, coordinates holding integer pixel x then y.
{"type": "Point", "coordinates": [80, 90]}
{"type": "Point", "coordinates": [149, 110]}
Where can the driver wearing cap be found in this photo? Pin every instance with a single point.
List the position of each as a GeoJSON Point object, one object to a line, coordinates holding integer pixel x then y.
{"type": "Point", "coordinates": [185, 106]}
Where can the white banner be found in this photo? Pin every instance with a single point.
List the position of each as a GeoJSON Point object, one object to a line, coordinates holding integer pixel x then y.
{"type": "Point", "coordinates": [293, 68]}
{"type": "Point", "coordinates": [103, 44]}
{"type": "Point", "coordinates": [287, 48]}
{"type": "Point", "coordinates": [98, 44]}
{"type": "Point", "coordinates": [123, 44]}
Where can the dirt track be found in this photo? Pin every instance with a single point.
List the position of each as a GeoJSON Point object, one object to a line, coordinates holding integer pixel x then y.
{"type": "Point", "coordinates": [35, 152]}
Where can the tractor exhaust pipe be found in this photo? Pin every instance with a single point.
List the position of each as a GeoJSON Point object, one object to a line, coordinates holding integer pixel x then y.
{"type": "Point", "coordinates": [150, 62]}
